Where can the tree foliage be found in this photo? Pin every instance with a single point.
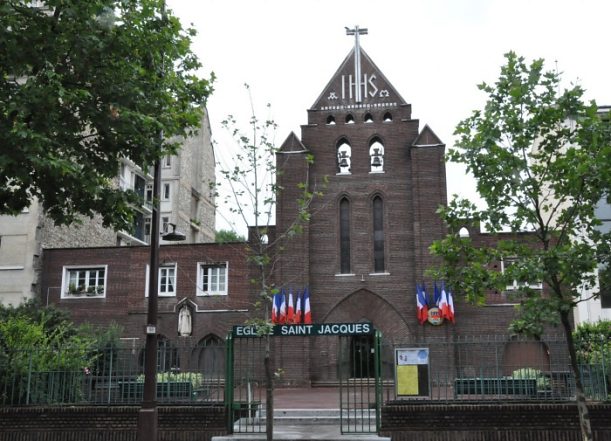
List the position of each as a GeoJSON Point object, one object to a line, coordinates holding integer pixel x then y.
{"type": "Point", "coordinates": [37, 343]}
{"type": "Point", "coordinates": [227, 236]}
{"type": "Point", "coordinates": [541, 158]}
{"type": "Point", "coordinates": [82, 85]}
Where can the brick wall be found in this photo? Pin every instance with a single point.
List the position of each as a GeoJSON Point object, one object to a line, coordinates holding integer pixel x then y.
{"type": "Point", "coordinates": [188, 423]}
{"type": "Point", "coordinates": [492, 422]}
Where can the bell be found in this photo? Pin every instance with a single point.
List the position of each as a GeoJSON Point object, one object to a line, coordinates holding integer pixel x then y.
{"type": "Point", "coordinates": [343, 162]}
{"type": "Point", "coordinates": [376, 161]}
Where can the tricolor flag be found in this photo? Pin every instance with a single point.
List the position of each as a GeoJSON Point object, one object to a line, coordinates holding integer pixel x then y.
{"type": "Point", "coordinates": [307, 314]}
{"type": "Point", "coordinates": [275, 308]}
{"type": "Point", "coordinates": [290, 310]}
{"type": "Point", "coordinates": [450, 306]}
{"type": "Point", "coordinates": [282, 314]}
{"type": "Point", "coordinates": [422, 304]}
{"type": "Point", "coordinates": [298, 311]}
{"type": "Point", "coordinates": [436, 294]}
{"type": "Point", "coordinates": [443, 303]}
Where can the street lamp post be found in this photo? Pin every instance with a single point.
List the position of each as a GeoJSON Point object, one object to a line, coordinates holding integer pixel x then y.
{"type": "Point", "coordinates": [147, 417]}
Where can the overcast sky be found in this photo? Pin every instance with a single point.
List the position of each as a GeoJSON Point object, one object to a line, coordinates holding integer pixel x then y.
{"type": "Point", "coordinates": [434, 52]}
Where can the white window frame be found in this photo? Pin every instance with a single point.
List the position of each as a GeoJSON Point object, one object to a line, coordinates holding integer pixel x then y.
{"type": "Point", "coordinates": [167, 161]}
{"type": "Point", "coordinates": [162, 268]}
{"type": "Point", "coordinates": [516, 284]}
{"type": "Point", "coordinates": [219, 291]}
{"type": "Point", "coordinates": [166, 191]}
{"type": "Point", "coordinates": [89, 270]}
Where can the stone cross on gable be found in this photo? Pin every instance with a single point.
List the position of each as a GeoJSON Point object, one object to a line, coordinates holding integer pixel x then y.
{"type": "Point", "coordinates": [357, 58]}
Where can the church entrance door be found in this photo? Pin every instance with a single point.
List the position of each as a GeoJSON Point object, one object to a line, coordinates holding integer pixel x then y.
{"type": "Point", "coordinates": [352, 358]}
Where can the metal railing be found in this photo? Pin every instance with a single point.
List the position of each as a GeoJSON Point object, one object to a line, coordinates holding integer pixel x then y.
{"type": "Point", "coordinates": [186, 374]}
{"type": "Point", "coordinates": [485, 368]}
{"type": "Point", "coordinates": [498, 368]}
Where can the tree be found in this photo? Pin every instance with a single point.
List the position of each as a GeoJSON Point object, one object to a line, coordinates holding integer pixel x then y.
{"type": "Point", "coordinates": [82, 85]}
{"type": "Point", "coordinates": [41, 346]}
{"type": "Point", "coordinates": [542, 162]}
{"type": "Point", "coordinates": [251, 195]}
{"type": "Point", "coordinates": [227, 236]}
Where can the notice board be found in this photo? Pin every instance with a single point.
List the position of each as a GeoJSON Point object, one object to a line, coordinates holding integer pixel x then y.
{"type": "Point", "coordinates": [412, 372]}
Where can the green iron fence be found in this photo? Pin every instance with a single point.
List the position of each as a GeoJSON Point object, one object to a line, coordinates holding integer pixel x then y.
{"type": "Point", "coordinates": [496, 368]}
{"type": "Point", "coordinates": [484, 368]}
{"type": "Point", "coordinates": [186, 374]}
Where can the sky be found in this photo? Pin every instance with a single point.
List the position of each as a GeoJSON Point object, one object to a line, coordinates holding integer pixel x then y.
{"type": "Point", "coordinates": [434, 52]}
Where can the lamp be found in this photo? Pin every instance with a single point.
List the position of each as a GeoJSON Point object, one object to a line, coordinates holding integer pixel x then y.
{"type": "Point", "coordinates": [174, 236]}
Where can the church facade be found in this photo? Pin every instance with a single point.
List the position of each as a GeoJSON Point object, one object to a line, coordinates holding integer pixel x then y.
{"type": "Point", "coordinates": [382, 177]}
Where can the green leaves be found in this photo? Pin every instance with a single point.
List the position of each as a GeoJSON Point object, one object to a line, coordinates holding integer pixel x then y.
{"type": "Point", "coordinates": [83, 84]}
{"type": "Point", "coordinates": [542, 161]}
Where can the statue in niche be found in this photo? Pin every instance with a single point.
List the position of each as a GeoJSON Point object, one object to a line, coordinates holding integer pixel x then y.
{"type": "Point", "coordinates": [184, 321]}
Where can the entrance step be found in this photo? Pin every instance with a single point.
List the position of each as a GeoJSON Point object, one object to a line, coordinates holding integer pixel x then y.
{"type": "Point", "coordinates": [319, 432]}
{"type": "Point", "coordinates": [308, 424]}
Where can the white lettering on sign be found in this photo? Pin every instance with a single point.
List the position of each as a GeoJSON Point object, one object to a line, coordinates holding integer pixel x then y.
{"type": "Point", "coordinates": [368, 86]}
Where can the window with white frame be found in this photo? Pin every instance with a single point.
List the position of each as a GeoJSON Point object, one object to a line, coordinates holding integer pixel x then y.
{"type": "Point", "coordinates": [212, 279]}
{"type": "Point", "coordinates": [166, 281]}
{"type": "Point", "coordinates": [84, 281]}
{"type": "Point", "coordinates": [517, 284]}
{"type": "Point", "coordinates": [166, 192]}
{"type": "Point", "coordinates": [167, 161]}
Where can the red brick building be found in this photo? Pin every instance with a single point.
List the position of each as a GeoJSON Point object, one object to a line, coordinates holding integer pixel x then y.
{"type": "Point", "coordinates": [361, 255]}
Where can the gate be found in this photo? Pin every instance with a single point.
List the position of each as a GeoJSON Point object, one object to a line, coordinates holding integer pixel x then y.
{"type": "Point", "coordinates": [357, 375]}
{"type": "Point", "coordinates": [360, 385]}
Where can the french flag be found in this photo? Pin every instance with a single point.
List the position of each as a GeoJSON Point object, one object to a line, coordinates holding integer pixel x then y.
{"type": "Point", "coordinates": [421, 303]}
{"type": "Point", "coordinates": [282, 314]}
{"type": "Point", "coordinates": [298, 312]}
{"type": "Point", "coordinates": [450, 298]}
{"type": "Point", "coordinates": [443, 303]}
{"type": "Point", "coordinates": [290, 310]}
{"type": "Point", "coordinates": [436, 295]}
{"type": "Point", "coordinates": [275, 308]}
{"type": "Point", "coordinates": [307, 314]}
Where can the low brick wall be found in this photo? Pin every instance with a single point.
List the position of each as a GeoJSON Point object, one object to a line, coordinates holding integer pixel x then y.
{"type": "Point", "coordinates": [101, 423]}
{"type": "Point", "coordinates": [491, 422]}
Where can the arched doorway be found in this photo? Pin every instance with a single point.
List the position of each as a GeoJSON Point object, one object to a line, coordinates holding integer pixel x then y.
{"type": "Point", "coordinates": [362, 356]}
{"type": "Point", "coordinates": [211, 356]}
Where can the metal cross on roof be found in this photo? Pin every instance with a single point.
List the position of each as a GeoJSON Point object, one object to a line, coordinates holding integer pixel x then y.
{"type": "Point", "coordinates": [357, 58]}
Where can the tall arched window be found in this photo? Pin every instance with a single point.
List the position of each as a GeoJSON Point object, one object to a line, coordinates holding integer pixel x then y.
{"type": "Point", "coordinates": [378, 235]}
{"type": "Point", "coordinates": [344, 236]}
{"type": "Point", "coordinates": [376, 155]}
{"type": "Point", "coordinates": [344, 157]}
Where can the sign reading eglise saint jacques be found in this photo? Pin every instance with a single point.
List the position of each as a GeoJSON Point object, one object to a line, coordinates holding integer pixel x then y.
{"type": "Point", "coordinates": [309, 330]}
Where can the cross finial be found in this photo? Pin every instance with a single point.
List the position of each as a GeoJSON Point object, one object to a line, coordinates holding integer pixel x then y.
{"type": "Point", "coordinates": [357, 58]}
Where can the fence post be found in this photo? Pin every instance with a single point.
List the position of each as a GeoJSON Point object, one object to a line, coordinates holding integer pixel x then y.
{"type": "Point", "coordinates": [602, 360]}
{"type": "Point", "coordinates": [110, 376]}
{"type": "Point", "coordinates": [229, 382]}
{"type": "Point", "coordinates": [27, 392]}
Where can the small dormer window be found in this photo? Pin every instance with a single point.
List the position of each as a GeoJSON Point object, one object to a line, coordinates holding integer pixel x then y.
{"type": "Point", "coordinates": [376, 154]}
{"type": "Point", "coordinates": [368, 118]}
{"type": "Point", "coordinates": [387, 117]}
{"type": "Point", "coordinates": [344, 157]}
{"type": "Point", "coordinates": [330, 120]}
{"type": "Point", "coordinates": [349, 119]}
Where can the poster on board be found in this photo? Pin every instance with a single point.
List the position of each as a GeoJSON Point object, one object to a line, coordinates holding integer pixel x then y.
{"type": "Point", "coordinates": [412, 372]}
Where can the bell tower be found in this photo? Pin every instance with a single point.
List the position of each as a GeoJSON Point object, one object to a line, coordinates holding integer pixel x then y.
{"type": "Point", "coordinates": [368, 236]}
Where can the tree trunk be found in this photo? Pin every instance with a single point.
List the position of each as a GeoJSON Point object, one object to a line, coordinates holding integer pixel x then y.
{"type": "Point", "coordinates": [582, 409]}
{"type": "Point", "coordinates": [269, 392]}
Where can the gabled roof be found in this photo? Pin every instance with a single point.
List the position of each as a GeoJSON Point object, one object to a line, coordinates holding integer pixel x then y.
{"type": "Point", "coordinates": [377, 90]}
{"type": "Point", "coordinates": [292, 144]}
{"type": "Point", "coordinates": [427, 138]}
